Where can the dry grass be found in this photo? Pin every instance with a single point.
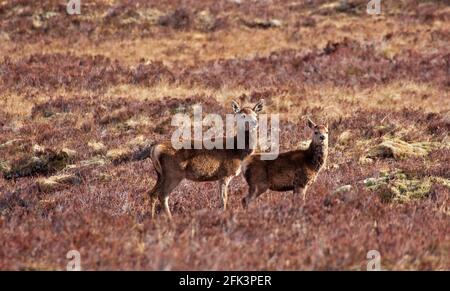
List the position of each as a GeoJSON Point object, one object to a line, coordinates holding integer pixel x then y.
{"type": "Point", "coordinates": [119, 83]}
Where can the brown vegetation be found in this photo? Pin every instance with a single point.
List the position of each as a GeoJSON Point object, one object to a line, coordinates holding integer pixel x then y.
{"type": "Point", "coordinates": [81, 96]}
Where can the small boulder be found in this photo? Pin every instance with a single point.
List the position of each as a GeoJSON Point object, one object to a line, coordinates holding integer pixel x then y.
{"type": "Point", "coordinates": [97, 148]}
{"type": "Point", "coordinates": [181, 18]}
{"type": "Point", "coordinates": [11, 143]}
{"type": "Point", "coordinates": [119, 155]}
{"type": "Point", "coordinates": [37, 149]}
{"type": "Point", "coordinates": [57, 182]}
{"type": "Point", "coordinates": [345, 137]}
{"type": "Point", "coordinates": [71, 154]}
{"type": "Point", "coordinates": [45, 163]}
{"type": "Point", "coordinates": [204, 21]}
{"type": "Point", "coordinates": [399, 187]}
{"type": "Point", "coordinates": [262, 23]}
{"type": "Point", "coordinates": [398, 149]}
{"type": "Point", "coordinates": [343, 189]}
{"type": "Point", "coordinates": [94, 162]}
{"type": "Point", "coordinates": [4, 167]}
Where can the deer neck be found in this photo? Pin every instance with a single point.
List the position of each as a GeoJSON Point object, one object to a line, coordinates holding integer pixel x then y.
{"type": "Point", "coordinates": [318, 155]}
{"type": "Point", "coordinates": [247, 149]}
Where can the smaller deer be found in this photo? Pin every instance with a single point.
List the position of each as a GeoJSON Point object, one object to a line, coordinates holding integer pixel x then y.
{"type": "Point", "coordinates": [174, 165]}
{"type": "Point", "coordinates": [294, 170]}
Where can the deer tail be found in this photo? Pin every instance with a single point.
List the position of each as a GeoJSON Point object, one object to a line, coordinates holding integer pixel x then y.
{"type": "Point", "coordinates": [155, 152]}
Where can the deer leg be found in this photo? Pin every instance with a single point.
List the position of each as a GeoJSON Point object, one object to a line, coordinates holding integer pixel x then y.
{"type": "Point", "coordinates": [165, 202]}
{"type": "Point", "coordinates": [301, 183]}
{"type": "Point", "coordinates": [253, 192]}
{"type": "Point", "coordinates": [304, 192]}
{"type": "Point", "coordinates": [223, 188]}
{"type": "Point", "coordinates": [154, 194]}
{"type": "Point", "coordinates": [298, 190]}
{"type": "Point", "coordinates": [246, 200]}
{"type": "Point", "coordinates": [168, 186]}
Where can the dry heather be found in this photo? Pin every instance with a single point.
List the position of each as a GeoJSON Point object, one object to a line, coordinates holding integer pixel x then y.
{"type": "Point", "coordinates": [81, 96]}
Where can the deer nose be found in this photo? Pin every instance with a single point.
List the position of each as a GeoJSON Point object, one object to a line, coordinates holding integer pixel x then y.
{"type": "Point", "coordinates": [322, 137]}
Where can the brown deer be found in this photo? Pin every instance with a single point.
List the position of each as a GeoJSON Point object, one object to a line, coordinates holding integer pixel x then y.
{"type": "Point", "coordinates": [294, 170]}
{"type": "Point", "coordinates": [173, 165]}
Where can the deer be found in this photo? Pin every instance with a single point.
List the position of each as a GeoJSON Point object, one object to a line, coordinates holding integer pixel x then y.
{"type": "Point", "coordinates": [294, 170]}
{"type": "Point", "coordinates": [200, 165]}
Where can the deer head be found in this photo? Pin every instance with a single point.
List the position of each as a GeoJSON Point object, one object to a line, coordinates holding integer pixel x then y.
{"type": "Point", "coordinates": [247, 117]}
{"type": "Point", "coordinates": [320, 133]}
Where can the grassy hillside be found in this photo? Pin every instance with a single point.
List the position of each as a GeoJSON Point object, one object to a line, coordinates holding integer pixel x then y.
{"type": "Point", "coordinates": [78, 93]}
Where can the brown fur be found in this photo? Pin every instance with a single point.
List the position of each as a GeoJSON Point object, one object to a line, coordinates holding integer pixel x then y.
{"type": "Point", "coordinates": [172, 166]}
{"type": "Point", "coordinates": [294, 170]}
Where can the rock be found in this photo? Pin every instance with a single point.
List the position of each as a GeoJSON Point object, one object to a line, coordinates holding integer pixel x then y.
{"type": "Point", "coordinates": [439, 180]}
{"type": "Point", "coordinates": [71, 154]}
{"type": "Point", "coordinates": [296, 5]}
{"type": "Point", "coordinates": [399, 187]}
{"type": "Point", "coordinates": [4, 167]}
{"type": "Point", "coordinates": [102, 177]}
{"type": "Point", "coordinates": [365, 161]}
{"type": "Point", "coordinates": [141, 148]}
{"type": "Point", "coordinates": [403, 190]}
{"type": "Point", "coordinates": [4, 36]}
{"type": "Point", "coordinates": [37, 149]}
{"type": "Point", "coordinates": [343, 189]}
{"type": "Point", "coordinates": [127, 15]}
{"type": "Point", "coordinates": [96, 161]}
{"type": "Point", "coordinates": [145, 17]}
{"type": "Point", "coordinates": [138, 141]}
{"type": "Point", "coordinates": [150, 16]}
{"type": "Point", "coordinates": [44, 163]}
{"type": "Point", "coordinates": [205, 21]}
{"type": "Point", "coordinates": [135, 123]}
{"type": "Point", "coordinates": [57, 182]}
{"type": "Point", "coordinates": [398, 149]}
{"type": "Point", "coordinates": [342, 6]}
{"type": "Point", "coordinates": [136, 149]}
{"type": "Point", "coordinates": [97, 148]}
{"type": "Point", "coordinates": [11, 143]}
{"type": "Point", "coordinates": [39, 20]}
{"type": "Point", "coordinates": [262, 23]}
{"type": "Point", "coordinates": [181, 18]}
{"type": "Point", "coordinates": [374, 182]}
{"type": "Point", "coordinates": [346, 6]}
{"type": "Point", "coordinates": [345, 137]}
{"type": "Point", "coordinates": [25, 167]}
{"type": "Point", "coordinates": [119, 155]}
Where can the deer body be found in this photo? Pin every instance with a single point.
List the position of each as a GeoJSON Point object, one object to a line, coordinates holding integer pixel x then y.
{"type": "Point", "coordinates": [200, 165]}
{"type": "Point", "coordinates": [294, 170]}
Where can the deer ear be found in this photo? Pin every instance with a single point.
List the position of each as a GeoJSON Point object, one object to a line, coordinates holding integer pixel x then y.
{"type": "Point", "coordinates": [259, 106]}
{"type": "Point", "coordinates": [310, 123]}
{"type": "Point", "coordinates": [235, 106]}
